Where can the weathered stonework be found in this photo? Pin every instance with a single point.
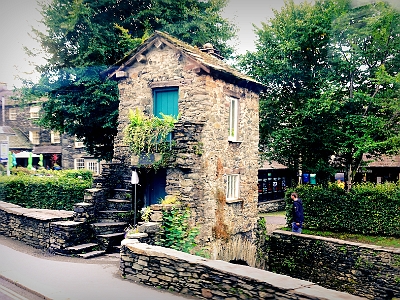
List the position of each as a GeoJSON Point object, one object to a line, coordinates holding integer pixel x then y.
{"type": "Point", "coordinates": [212, 279]}
{"type": "Point", "coordinates": [365, 270]}
{"type": "Point", "coordinates": [204, 154]}
{"type": "Point", "coordinates": [30, 226]}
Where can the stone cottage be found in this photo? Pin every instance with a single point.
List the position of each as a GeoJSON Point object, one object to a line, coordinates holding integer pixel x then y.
{"type": "Point", "coordinates": [216, 137]}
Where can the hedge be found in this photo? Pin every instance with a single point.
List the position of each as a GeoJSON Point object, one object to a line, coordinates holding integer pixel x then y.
{"type": "Point", "coordinates": [58, 190]}
{"type": "Point", "coordinates": [372, 209]}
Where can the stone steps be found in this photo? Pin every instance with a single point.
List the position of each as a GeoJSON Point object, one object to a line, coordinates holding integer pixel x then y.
{"type": "Point", "coordinates": [92, 254]}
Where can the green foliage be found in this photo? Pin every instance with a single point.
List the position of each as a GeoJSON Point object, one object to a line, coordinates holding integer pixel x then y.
{"type": "Point", "coordinates": [333, 84]}
{"type": "Point", "coordinates": [59, 190]}
{"type": "Point", "coordinates": [175, 231]}
{"type": "Point", "coordinates": [262, 243]}
{"type": "Point", "coordinates": [370, 209]}
{"type": "Point", "coordinates": [148, 135]}
{"type": "Point", "coordinates": [83, 38]}
{"type": "Point", "coordinates": [145, 213]}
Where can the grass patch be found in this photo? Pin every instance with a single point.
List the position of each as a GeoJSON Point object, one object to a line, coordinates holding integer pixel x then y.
{"type": "Point", "coordinates": [383, 241]}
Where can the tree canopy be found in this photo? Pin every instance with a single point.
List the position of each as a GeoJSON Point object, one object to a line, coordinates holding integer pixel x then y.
{"type": "Point", "coordinates": [332, 72]}
{"type": "Point", "coordinates": [84, 37]}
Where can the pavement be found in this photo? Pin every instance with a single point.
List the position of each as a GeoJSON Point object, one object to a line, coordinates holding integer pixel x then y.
{"type": "Point", "coordinates": [58, 277]}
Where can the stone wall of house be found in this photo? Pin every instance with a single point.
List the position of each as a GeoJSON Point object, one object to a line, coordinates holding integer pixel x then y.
{"type": "Point", "coordinates": [205, 156]}
{"type": "Point", "coordinates": [212, 279]}
{"type": "Point", "coordinates": [365, 270]}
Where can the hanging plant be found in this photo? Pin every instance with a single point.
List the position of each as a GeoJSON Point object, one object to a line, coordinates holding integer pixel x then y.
{"type": "Point", "coordinates": [147, 135]}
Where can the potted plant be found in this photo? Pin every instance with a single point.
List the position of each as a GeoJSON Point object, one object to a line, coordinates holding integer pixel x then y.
{"type": "Point", "coordinates": [147, 138]}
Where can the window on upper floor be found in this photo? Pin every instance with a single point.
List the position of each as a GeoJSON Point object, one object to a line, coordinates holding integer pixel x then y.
{"type": "Point", "coordinates": [12, 113]}
{"type": "Point", "coordinates": [232, 187]}
{"type": "Point", "coordinates": [165, 101]}
{"type": "Point", "coordinates": [55, 137]}
{"type": "Point", "coordinates": [34, 137]}
{"type": "Point", "coordinates": [78, 143]}
{"type": "Point", "coordinates": [34, 112]}
{"type": "Point", "coordinates": [233, 119]}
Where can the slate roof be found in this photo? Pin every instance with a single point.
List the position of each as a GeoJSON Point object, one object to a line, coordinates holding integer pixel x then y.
{"type": "Point", "coordinates": [207, 62]}
{"type": "Point", "coordinates": [19, 141]}
{"type": "Point", "coordinates": [46, 149]}
{"type": "Point", "coordinates": [385, 161]}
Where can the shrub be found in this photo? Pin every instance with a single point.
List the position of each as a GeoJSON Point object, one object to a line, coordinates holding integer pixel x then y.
{"type": "Point", "coordinates": [58, 190]}
{"type": "Point", "coordinates": [175, 231]}
{"type": "Point", "coordinates": [368, 208]}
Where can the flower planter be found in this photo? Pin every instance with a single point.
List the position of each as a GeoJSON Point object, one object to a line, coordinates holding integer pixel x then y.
{"type": "Point", "coordinates": [145, 159]}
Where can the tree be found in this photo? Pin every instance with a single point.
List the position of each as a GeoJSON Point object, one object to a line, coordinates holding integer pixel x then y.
{"type": "Point", "coordinates": [330, 94]}
{"type": "Point", "coordinates": [85, 37]}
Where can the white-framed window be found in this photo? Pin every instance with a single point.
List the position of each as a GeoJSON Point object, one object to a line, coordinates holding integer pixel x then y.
{"type": "Point", "coordinates": [233, 119]}
{"type": "Point", "coordinates": [92, 165]}
{"type": "Point", "coordinates": [89, 164]}
{"type": "Point", "coordinates": [34, 112]}
{"type": "Point", "coordinates": [232, 187]}
{"type": "Point", "coordinates": [12, 113]}
{"type": "Point", "coordinates": [78, 143]}
{"type": "Point", "coordinates": [34, 137]}
{"type": "Point", "coordinates": [79, 163]}
{"type": "Point", "coordinates": [55, 137]}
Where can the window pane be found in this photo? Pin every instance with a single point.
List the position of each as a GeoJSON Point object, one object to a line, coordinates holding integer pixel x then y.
{"type": "Point", "coordinates": [233, 118]}
{"type": "Point", "coordinates": [12, 114]}
{"type": "Point", "coordinates": [79, 163]}
{"type": "Point", "coordinates": [232, 187]}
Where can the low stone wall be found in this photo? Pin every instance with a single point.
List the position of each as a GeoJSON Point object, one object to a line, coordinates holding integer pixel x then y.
{"type": "Point", "coordinates": [30, 226]}
{"type": "Point", "coordinates": [360, 269]}
{"type": "Point", "coordinates": [271, 206]}
{"type": "Point", "coordinates": [212, 279]}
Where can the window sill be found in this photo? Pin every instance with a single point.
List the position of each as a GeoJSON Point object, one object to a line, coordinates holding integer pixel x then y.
{"type": "Point", "coordinates": [234, 200]}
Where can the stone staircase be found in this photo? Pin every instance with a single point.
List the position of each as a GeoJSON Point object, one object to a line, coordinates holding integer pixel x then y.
{"type": "Point", "coordinates": [105, 213]}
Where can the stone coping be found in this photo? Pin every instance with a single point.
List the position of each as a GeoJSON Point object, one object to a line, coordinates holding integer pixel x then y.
{"type": "Point", "coordinates": [281, 283]}
{"type": "Point", "coordinates": [342, 242]}
{"type": "Point", "coordinates": [40, 214]}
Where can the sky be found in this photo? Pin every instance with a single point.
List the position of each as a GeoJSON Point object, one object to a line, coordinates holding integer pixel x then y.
{"type": "Point", "coordinates": [18, 16]}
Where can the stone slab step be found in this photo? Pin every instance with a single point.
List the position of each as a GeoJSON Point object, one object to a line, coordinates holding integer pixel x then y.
{"type": "Point", "coordinates": [81, 247]}
{"type": "Point", "coordinates": [110, 224]}
{"type": "Point", "coordinates": [118, 201]}
{"type": "Point", "coordinates": [92, 254]}
{"type": "Point", "coordinates": [123, 190]}
{"type": "Point", "coordinates": [112, 235]}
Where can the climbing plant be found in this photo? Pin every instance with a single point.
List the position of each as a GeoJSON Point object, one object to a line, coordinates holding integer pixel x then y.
{"type": "Point", "coordinates": [146, 135]}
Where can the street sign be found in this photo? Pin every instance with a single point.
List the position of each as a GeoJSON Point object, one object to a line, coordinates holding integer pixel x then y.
{"type": "Point", "coordinates": [4, 151]}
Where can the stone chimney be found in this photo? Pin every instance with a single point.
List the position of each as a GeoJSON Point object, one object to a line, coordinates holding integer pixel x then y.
{"type": "Point", "coordinates": [3, 86]}
{"type": "Point", "coordinates": [209, 48]}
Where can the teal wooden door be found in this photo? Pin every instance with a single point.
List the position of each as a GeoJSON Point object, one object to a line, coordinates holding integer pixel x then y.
{"type": "Point", "coordinates": [166, 102]}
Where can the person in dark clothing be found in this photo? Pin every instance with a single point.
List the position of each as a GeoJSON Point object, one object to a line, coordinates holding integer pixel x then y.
{"type": "Point", "coordinates": [297, 213]}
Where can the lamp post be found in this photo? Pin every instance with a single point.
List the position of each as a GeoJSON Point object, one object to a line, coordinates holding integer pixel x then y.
{"type": "Point", "coordinates": [5, 145]}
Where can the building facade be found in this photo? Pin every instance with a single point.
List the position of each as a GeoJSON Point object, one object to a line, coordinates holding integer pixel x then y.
{"type": "Point", "coordinates": [216, 137]}
{"type": "Point", "coordinates": [29, 139]}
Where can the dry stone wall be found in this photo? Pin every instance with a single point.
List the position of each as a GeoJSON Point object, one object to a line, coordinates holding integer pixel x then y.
{"type": "Point", "coordinates": [369, 271]}
{"type": "Point", "coordinates": [212, 279]}
{"type": "Point", "coordinates": [205, 156]}
{"type": "Point", "coordinates": [30, 226]}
